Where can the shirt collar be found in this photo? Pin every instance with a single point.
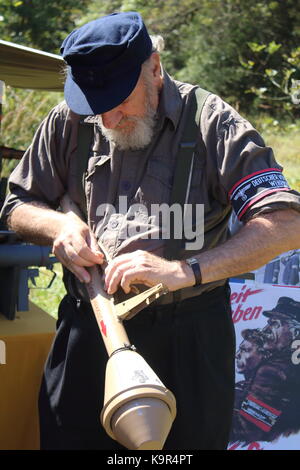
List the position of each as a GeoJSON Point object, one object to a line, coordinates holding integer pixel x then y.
{"type": "Point", "coordinates": [170, 101]}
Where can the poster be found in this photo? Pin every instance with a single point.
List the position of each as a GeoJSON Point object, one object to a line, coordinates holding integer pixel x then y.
{"type": "Point", "coordinates": [266, 316]}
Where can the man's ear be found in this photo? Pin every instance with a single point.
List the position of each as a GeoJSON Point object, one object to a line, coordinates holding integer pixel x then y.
{"type": "Point", "coordinates": [156, 69]}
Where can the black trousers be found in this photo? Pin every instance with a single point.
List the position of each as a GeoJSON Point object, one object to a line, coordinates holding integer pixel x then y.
{"type": "Point", "coordinates": [190, 345]}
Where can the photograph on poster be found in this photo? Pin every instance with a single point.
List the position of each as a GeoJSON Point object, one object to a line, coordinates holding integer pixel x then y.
{"type": "Point", "coordinates": [267, 399]}
{"type": "Point", "coordinates": [283, 270]}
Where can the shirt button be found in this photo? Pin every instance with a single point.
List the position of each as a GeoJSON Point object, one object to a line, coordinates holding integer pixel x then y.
{"type": "Point", "coordinates": [125, 185]}
{"type": "Point", "coordinates": [114, 224]}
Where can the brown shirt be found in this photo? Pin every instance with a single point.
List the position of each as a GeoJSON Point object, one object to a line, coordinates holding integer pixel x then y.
{"type": "Point", "coordinates": [233, 168]}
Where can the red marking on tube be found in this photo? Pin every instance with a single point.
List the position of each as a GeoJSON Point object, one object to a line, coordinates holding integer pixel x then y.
{"type": "Point", "coordinates": [103, 327]}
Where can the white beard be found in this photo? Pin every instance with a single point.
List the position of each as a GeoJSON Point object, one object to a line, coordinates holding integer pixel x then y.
{"type": "Point", "coordinates": [136, 138]}
{"type": "Point", "coordinates": [139, 132]}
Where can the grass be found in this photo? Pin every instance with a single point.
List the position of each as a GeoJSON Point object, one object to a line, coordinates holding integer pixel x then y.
{"type": "Point", "coordinates": [284, 138]}
{"type": "Point", "coordinates": [48, 298]}
{"type": "Point", "coordinates": [287, 151]}
{"type": "Point", "coordinates": [23, 111]}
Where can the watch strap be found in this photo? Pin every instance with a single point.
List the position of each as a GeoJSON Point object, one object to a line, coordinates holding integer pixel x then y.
{"type": "Point", "coordinates": [194, 264]}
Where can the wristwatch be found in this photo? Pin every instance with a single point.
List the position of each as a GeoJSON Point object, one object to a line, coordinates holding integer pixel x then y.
{"type": "Point", "coordinates": [194, 264]}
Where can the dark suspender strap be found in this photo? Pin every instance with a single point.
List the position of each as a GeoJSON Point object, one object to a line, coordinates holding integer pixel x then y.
{"type": "Point", "coordinates": [184, 167]}
{"type": "Point", "coordinates": [84, 141]}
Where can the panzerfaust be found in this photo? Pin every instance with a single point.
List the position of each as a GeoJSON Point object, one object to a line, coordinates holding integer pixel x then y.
{"type": "Point", "coordinates": [138, 409]}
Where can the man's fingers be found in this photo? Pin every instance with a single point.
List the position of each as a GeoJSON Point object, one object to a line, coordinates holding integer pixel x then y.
{"type": "Point", "coordinates": [70, 254]}
{"type": "Point", "coordinates": [89, 255]}
{"type": "Point", "coordinates": [80, 272]}
{"type": "Point", "coordinates": [84, 256]}
{"type": "Point", "coordinates": [114, 281]}
{"type": "Point", "coordinates": [74, 247]}
{"type": "Point", "coordinates": [114, 272]}
{"type": "Point", "coordinates": [126, 270]}
{"type": "Point", "coordinates": [145, 268]}
{"type": "Point", "coordinates": [130, 277]}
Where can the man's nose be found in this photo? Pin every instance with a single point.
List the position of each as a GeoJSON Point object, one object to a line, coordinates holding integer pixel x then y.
{"type": "Point", "coordinates": [112, 118]}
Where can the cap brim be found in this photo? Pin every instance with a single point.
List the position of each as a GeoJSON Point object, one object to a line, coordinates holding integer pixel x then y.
{"type": "Point", "coordinates": [271, 313]}
{"type": "Point", "coordinates": [91, 101]}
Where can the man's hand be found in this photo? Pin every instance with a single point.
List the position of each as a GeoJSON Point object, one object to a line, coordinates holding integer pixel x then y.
{"type": "Point", "coordinates": [76, 248]}
{"type": "Point", "coordinates": [141, 267]}
{"type": "Point", "coordinates": [72, 241]}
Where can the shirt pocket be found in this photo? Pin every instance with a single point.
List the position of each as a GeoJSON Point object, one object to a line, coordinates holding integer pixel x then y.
{"type": "Point", "coordinates": [95, 163]}
{"type": "Point", "coordinates": [156, 184]}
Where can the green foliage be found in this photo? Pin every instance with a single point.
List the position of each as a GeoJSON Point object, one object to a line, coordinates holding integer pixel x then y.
{"type": "Point", "coordinates": [232, 47]}
{"type": "Point", "coordinates": [99, 8]}
{"type": "Point", "coordinates": [239, 32]}
{"type": "Point", "coordinates": [39, 23]}
{"type": "Point", "coordinates": [244, 50]}
{"type": "Point", "coordinates": [48, 298]}
{"type": "Point", "coordinates": [23, 110]}
{"type": "Point", "coordinates": [281, 90]}
{"type": "Point", "coordinates": [284, 138]}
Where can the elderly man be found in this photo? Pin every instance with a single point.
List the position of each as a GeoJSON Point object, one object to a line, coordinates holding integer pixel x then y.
{"type": "Point", "coordinates": [115, 82]}
{"type": "Point", "coordinates": [283, 326]}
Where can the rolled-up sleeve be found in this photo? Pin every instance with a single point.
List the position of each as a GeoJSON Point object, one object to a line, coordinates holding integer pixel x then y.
{"type": "Point", "coordinates": [41, 175]}
{"type": "Point", "coordinates": [246, 173]}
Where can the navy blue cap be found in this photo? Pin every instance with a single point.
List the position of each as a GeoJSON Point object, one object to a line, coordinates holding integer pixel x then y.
{"type": "Point", "coordinates": [104, 60]}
